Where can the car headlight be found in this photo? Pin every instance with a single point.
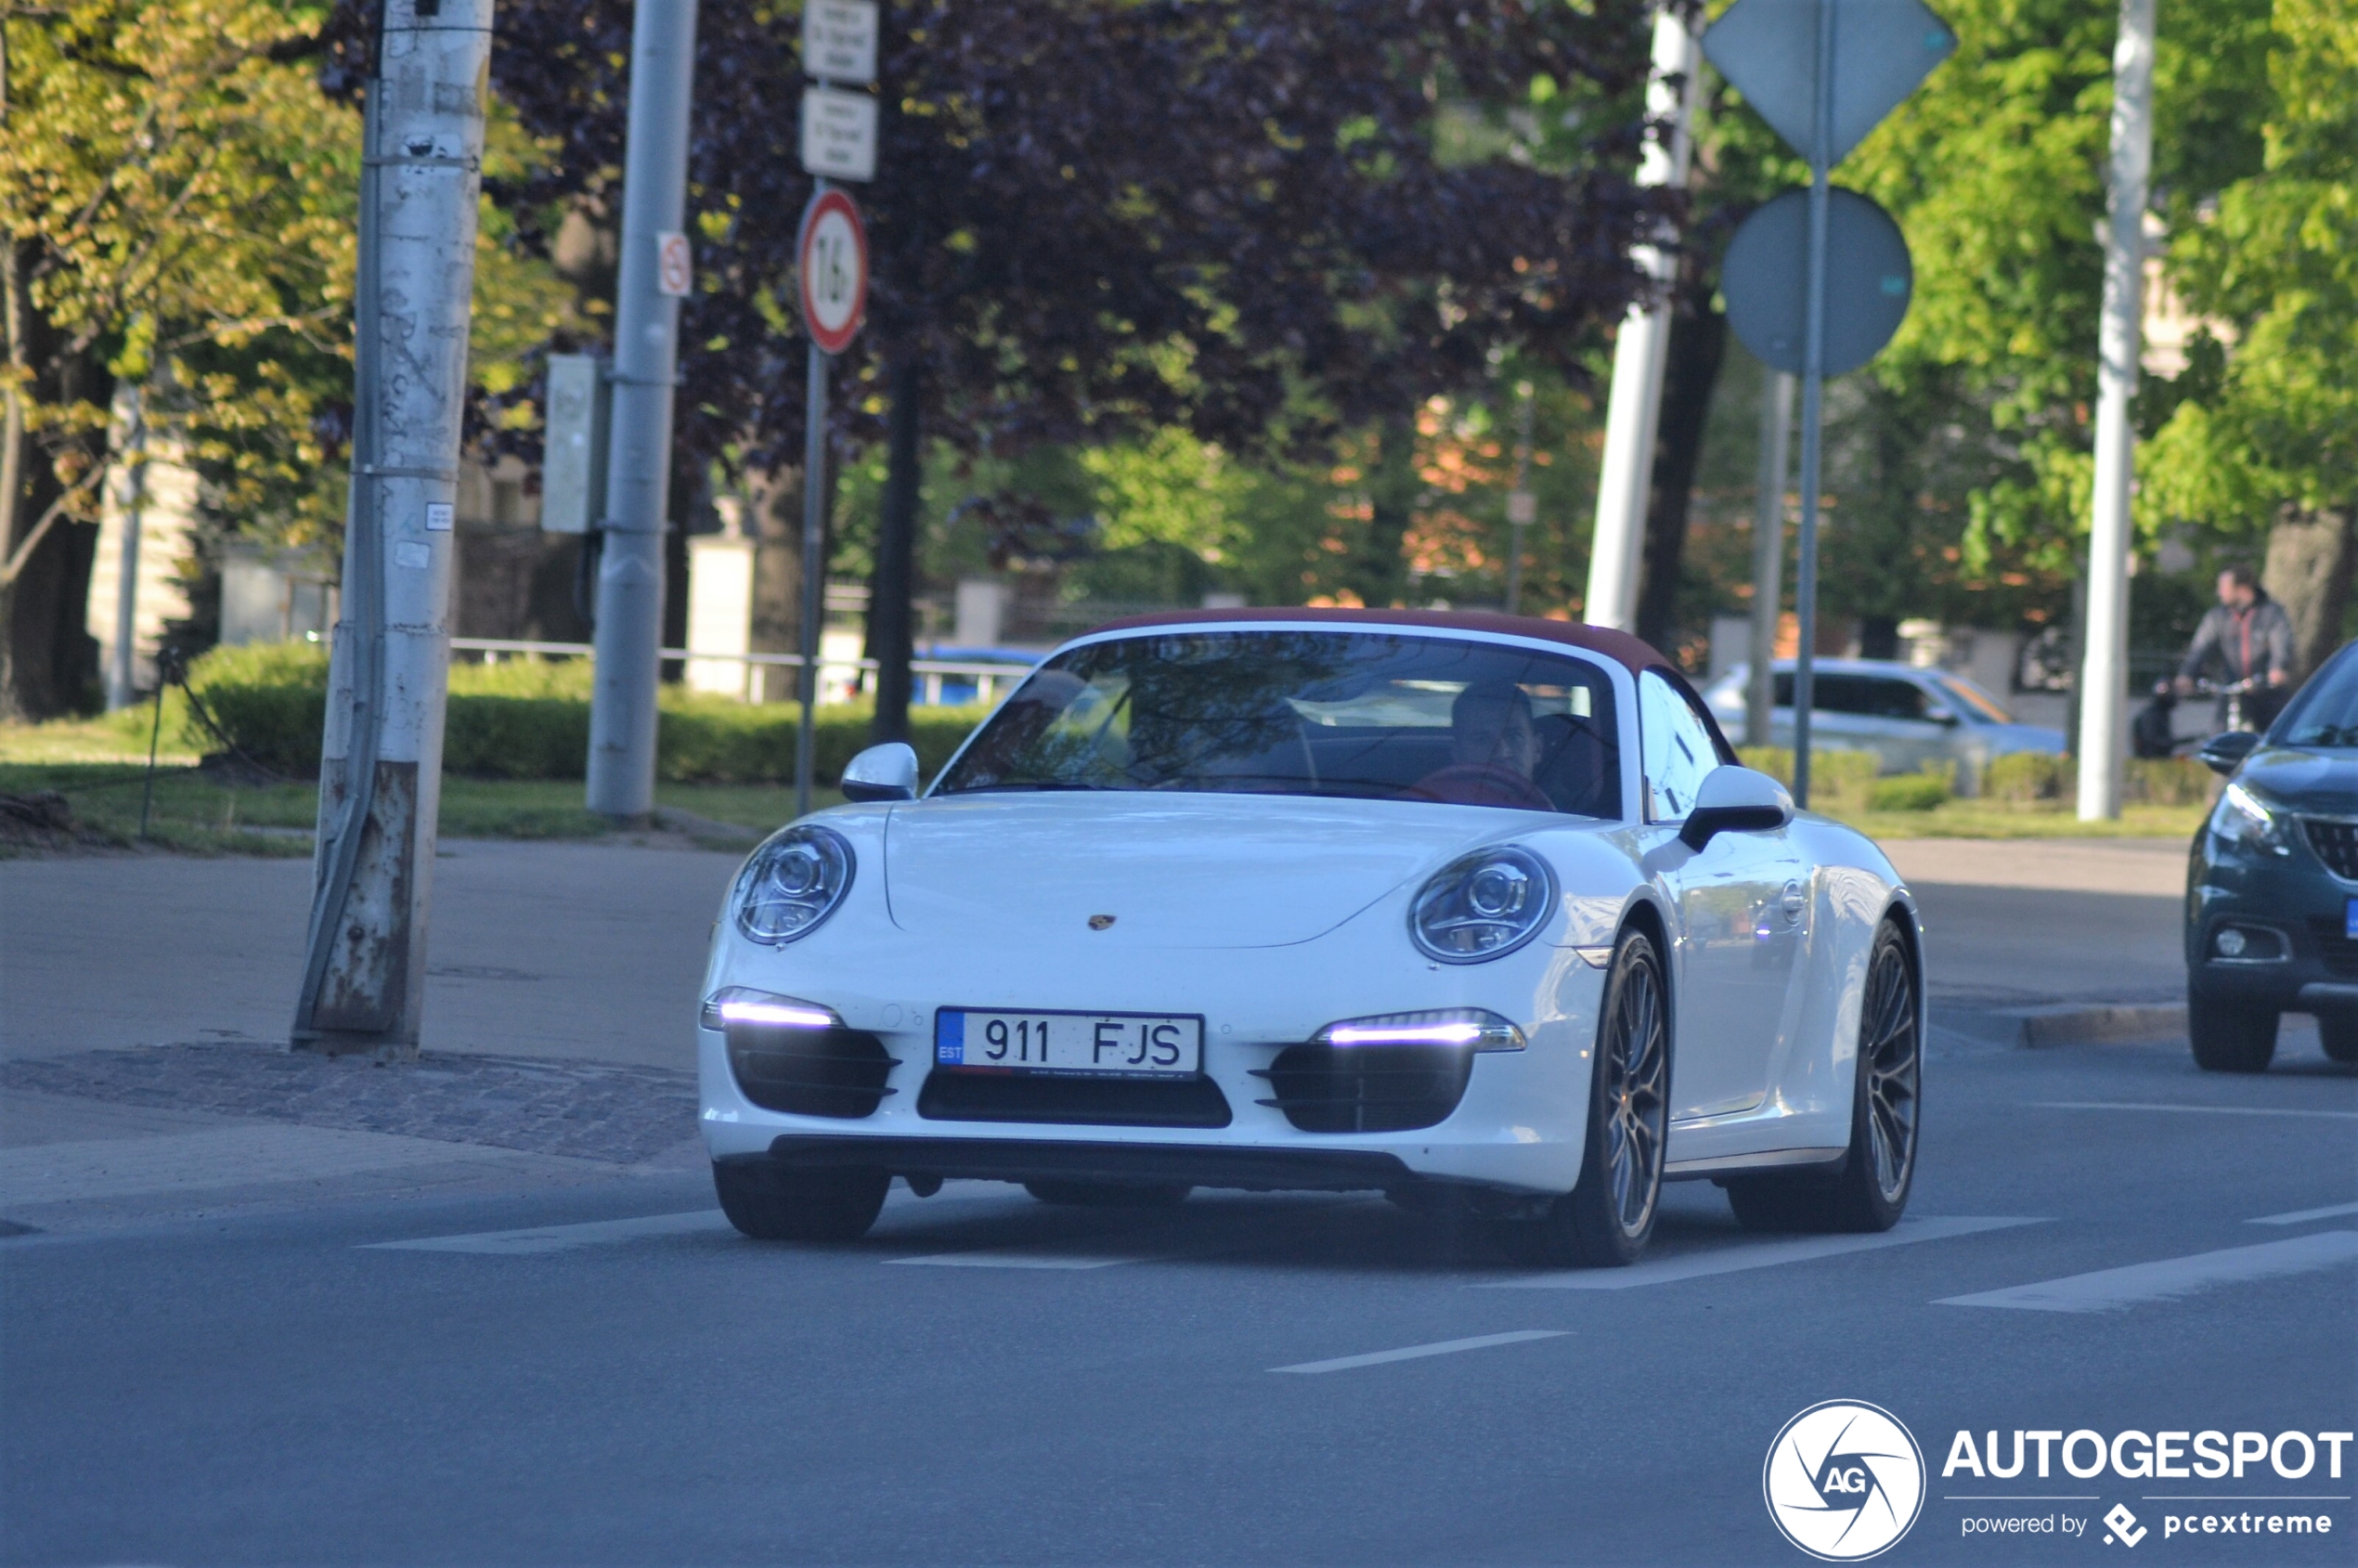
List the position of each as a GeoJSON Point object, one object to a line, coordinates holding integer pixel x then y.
{"type": "Point", "coordinates": [1484, 905]}
{"type": "Point", "coordinates": [2243, 817]}
{"type": "Point", "coordinates": [792, 883]}
{"type": "Point", "coordinates": [1475, 1028]}
{"type": "Point", "coordinates": [745, 1006]}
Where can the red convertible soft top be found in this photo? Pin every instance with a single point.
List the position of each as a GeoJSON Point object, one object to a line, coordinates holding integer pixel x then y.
{"type": "Point", "coordinates": [1618, 646]}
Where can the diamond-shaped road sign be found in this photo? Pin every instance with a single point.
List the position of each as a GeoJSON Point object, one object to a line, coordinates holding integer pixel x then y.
{"type": "Point", "coordinates": [1883, 48]}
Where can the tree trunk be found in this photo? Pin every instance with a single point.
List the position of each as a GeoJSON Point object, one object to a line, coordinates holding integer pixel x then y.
{"type": "Point", "coordinates": [773, 521]}
{"type": "Point", "coordinates": [892, 639]}
{"type": "Point", "coordinates": [2310, 559]}
{"type": "Point", "coordinates": [1379, 574]}
{"type": "Point", "coordinates": [1698, 347]}
{"type": "Point", "coordinates": [47, 658]}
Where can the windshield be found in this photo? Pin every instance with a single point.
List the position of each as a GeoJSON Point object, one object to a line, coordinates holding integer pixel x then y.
{"type": "Point", "coordinates": [1366, 715]}
{"type": "Point", "coordinates": [2325, 711]}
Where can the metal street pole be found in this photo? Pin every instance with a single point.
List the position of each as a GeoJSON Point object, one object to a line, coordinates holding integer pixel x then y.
{"type": "Point", "coordinates": [1813, 395]}
{"type": "Point", "coordinates": [120, 687]}
{"type": "Point", "coordinates": [1767, 555]}
{"type": "Point", "coordinates": [1642, 349]}
{"type": "Point", "coordinates": [646, 358]}
{"type": "Point", "coordinates": [815, 497]}
{"type": "Point", "coordinates": [2103, 679]}
{"type": "Point", "coordinates": [364, 972]}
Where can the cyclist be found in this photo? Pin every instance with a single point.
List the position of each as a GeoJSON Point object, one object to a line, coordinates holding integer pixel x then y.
{"type": "Point", "coordinates": [2248, 637]}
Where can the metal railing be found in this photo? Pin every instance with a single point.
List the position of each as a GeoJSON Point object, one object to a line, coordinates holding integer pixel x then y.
{"type": "Point", "coordinates": [987, 677]}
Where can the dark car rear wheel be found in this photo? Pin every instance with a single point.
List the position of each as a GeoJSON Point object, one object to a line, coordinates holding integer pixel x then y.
{"type": "Point", "coordinates": [2231, 1036]}
{"type": "Point", "coordinates": [771, 1203]}
{"type": "Point", "coordinates": [1868, 1191]}
{"type": "Point", "coordinates": [2338, 1032]}
{"type": "Point", "coordinates": [1111, 1195]}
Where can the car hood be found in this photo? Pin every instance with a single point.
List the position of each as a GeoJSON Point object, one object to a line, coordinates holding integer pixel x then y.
{"type": "Point", "coordinates": [1187, 871]}
{"type": "Point", "coordinates": [2301, 779]}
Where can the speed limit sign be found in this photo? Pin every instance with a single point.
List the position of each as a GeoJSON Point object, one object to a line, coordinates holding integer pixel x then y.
{"type": "Point", "coordinates": [833, 257]}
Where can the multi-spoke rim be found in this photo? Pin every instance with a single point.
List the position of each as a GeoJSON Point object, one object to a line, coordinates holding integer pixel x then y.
{"type": "Point", "coordinates": [1888, 1044]}
{"type": "Point", "coordinates": [1636, 1085]}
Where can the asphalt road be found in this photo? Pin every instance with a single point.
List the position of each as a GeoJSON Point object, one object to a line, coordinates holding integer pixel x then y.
{"type": "Point", "coordinates": [988, 1380]}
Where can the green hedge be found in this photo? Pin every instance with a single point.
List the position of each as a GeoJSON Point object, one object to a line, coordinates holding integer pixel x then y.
{"type": "Point", "coordinates": [523, 720]}
{"type": "Point", "coordinates": [1837, 777]}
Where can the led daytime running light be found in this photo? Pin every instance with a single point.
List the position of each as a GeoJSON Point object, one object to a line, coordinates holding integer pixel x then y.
{"type": "Point", "coordinates": [737, 1005]}
{"type": "Point", "coordinates": [1469, 1027]}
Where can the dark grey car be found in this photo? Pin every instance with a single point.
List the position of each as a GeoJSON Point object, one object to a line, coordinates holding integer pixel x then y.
{"type": "Point", "coordinates": [2272, 886]}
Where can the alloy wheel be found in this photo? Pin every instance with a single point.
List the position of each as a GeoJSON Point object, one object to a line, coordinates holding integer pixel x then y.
{"type": "Point", "coordinates": [1636, 1086]}
{"type": "Point", "coordinates": [1894, 1067]}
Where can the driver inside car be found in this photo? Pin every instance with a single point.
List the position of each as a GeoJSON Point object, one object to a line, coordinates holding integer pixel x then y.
{"type": "Point", "coordinates": [1493, 751]}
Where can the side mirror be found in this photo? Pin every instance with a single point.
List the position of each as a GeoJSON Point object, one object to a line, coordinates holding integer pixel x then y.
{"type": "Point", "coordinates": [2224, 754]}
{"type": "Point", "coordinates": [882, 772]}
{"type": "Point", "coordinates": [1941, 713]}
{"type": "Point", "coordinates": [1735, 799]}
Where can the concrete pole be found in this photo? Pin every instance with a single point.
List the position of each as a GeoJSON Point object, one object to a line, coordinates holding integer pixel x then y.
{"type": "Point", "coordinates": [1633, 408]}
{"type": "Point", "coordinates": [2104, 672]}
{"type": "Point", "coordinates": [1521, 508]}
{"type": "Point", "coordinates": [817, 491]}
{"type": "Point", "coordinates": [1767, 556]}
{"type": "Point", "coordinates": [381, 761]}
{"type": "Point", "coordinates": [121, 686]}
{"type": "Point", "coordinates": [646, 358]}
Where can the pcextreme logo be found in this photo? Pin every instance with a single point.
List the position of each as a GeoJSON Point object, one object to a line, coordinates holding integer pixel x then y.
{"type": "Point", "coordinates": [1844, 1481]}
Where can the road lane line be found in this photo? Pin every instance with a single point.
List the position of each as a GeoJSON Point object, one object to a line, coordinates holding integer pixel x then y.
{"type": "Point", "coordinates": [1025, 1257]}
{"type": "Point", "coordinates": [1739, 1256]}
{"type": "Point", "coordinates": [2195, 1111]}
{"type": "Point", "coordinates": [1413, 1353]}
{"type": "Point", "coordinates": [2112, 1290]}
{"type": "Point", "coordinates": [561, 1238]}
{"type": "Point", "coordinates": [2302, 1216]}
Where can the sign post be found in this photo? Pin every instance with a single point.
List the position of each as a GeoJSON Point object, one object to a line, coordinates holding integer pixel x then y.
{"type": "Point", "coordinates": [1822, 73]}
{"type": "Point", "coordinates": [831, 261]}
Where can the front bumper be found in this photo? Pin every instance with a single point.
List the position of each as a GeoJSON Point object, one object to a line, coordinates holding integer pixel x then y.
{"type": "Point", "coordinates": [2311, 965]}
{"type": "Point", "coordinates": [1517, 1126]}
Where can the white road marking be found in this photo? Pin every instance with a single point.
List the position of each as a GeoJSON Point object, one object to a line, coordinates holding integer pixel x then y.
{"type": "Point", "coordinates": [2113, 1290]}
{"type": "Point", "coordinates": [218, 1156]}
{"type": "Point", "coordinates": [2197, 1110]}
{"type": "Point", "coordinates": [2302, 1216]}
{"type": "Point", "coordinates": [561, 1238]}
{"type": "Point", "coordinates": [1024, 1257]}
{"type": "Point", "coordinates": [1739, 1256]}
{"type": "Point", "coordinates": [1412, 1353]}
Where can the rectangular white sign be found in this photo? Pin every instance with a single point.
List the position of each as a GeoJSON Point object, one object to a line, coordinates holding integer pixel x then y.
{"type": "Point", "coordinates": [839, 40]}
{"type": "Point", "coordinates": [838, 134]}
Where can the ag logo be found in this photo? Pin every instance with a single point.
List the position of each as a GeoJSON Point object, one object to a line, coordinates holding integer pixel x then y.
{"type": "Point", "coordinates": [1844, 1481]}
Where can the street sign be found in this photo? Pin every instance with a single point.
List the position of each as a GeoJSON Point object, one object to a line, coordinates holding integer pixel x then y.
{"type": "Point", "coordinates": [839, 40]}
{"type": "Point", "coordinates": [1767, 50]}
{"type": "Point", "coordinates": [1868, 279]}
{"type": "Point", "coordinates": [675, 268]}
{"type": "Point", "coordinates": [832, 256]}
{"type": "Point", "coordinates": [838, 134]}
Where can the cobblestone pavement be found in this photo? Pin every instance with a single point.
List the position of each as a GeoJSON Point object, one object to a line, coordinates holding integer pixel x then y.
{"type": "Point", "coordinates": [624, 1114]}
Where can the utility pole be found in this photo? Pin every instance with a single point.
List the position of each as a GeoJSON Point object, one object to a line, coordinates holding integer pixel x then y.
{"type": "Point", "coordinates": [646, 358]}
{"type": "Point", "coordinates": [1767, 556]}
{"type": "Point", "coordinates": [2104, 678]}
{"type": "Point", "coordinates": [122, 687]}
{"type": "Point", "coordinates": [1634, 408]}
{"type": "Point", "coordinates": [364, 972]}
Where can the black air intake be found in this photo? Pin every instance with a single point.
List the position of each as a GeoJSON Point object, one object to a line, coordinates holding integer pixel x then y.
{"type": "Point", "coordinates": [1368, 1088]}
{"type": "Point", "coordinates": [809, 1071]}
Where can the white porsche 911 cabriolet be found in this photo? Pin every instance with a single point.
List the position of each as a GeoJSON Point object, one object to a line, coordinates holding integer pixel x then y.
{"type": "Point", "coordinates": [1471, 909]}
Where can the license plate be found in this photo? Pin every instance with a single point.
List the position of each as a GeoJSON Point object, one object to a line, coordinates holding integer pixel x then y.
{"type": "Point", "coordinates": [1116, 1044]}
{"type": "Point", "coordinates": [2349, 920]}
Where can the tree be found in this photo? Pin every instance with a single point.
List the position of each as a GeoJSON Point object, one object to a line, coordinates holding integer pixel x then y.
{"type": "Point", "coordinates": [2263, 433]}
{"type": "Point", "coordinates": [1100, 217]}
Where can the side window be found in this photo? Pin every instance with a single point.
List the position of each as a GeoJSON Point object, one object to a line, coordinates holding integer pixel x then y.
{"type": "Point", "coordinates": [1677, 749]}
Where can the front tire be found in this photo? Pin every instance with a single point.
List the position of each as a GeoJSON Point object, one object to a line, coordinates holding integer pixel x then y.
{"type": "Point", "coordinates": [1111, 1195]}
{"type": "Point", "coordinates": [771, 1203]}
{"type": "Point", "coordinates": [1869, 1191]}
{"type": "Point", "coordinates": [2232, 1036]}
{"type": "Point", "coordinates": [2338, 1032]}
{"type": "Point", "coordinates": [1608, 1218]}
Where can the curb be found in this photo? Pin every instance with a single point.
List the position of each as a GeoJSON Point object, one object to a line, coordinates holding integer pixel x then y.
{"type": "Point", "coordinates": [2090, 1024]}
